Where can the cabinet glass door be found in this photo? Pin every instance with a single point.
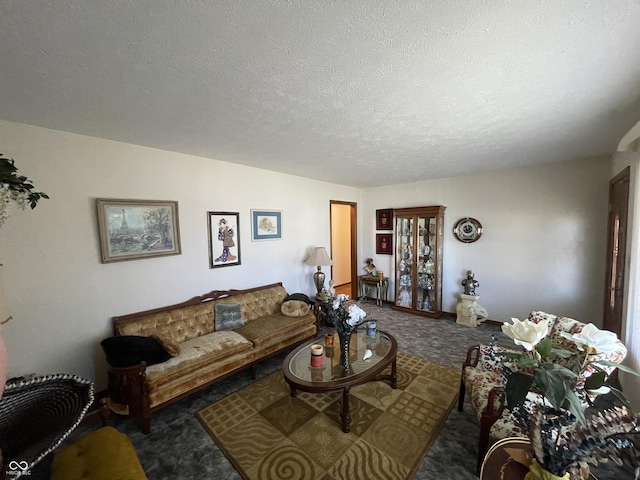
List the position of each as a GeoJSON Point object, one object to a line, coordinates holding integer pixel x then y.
{"type": "Point", "coordinates": [426, 264]}
{"type": "Point", "coordinates": [404, 262]}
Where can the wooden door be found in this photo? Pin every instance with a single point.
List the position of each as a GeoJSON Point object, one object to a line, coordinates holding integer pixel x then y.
{"type": "Point", "coordinates": [616, 251]}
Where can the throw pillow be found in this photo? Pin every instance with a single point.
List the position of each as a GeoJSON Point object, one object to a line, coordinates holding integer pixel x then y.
{"type": "Point", "coordinates": [228, 316]}
{"type": "Point", "coordinates": [130, 350]}
{"type": "Point", "coordinates": [169, 344]}
{"type": "Point", "coordinates": [299, 296]}
{"type": "Point", "coordinates": [295, 308]}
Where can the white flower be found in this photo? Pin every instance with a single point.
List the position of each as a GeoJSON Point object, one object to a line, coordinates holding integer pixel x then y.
{"type": "Point", "coordinates": [602, 341]}
{"type": "Point", "coordinates": [339, 299]}
{"type": "Point", "coordinates": [526, 332]}
{"type": "Point", "coordinates": [356, 314]}
{"type": "Point", "coordinates": [599, 391]}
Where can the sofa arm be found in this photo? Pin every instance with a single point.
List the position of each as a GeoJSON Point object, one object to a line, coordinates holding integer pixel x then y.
{"type": "Point", "coordinates": [495, 403]}
{"type": "Point", "coordinates": [486, 357]}
{"type": "Point", "coordinates": [128, 391]}
{"type": "Point", "coordinates": [473, 354]}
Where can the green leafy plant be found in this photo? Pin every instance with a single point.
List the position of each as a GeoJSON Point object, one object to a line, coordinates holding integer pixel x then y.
{"type": "Point", "coordinates": [548, 388]}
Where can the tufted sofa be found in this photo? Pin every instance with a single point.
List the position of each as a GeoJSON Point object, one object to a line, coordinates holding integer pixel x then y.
{"type": "Point", "coordinates": [202, 353]}
{"type": "Point", "coordinates": [482, 379]}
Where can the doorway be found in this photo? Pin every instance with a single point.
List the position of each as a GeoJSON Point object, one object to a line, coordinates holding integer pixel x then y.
{"type": "Point", "coordinates": [616, 251]}
{"type": "Point", "coordinates": [343, 217]}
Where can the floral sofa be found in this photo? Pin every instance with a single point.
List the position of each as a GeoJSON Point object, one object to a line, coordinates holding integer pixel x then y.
{"type": "Point", "coordinates": [482, 377]}
{"type": "Point", "coordinates": [202, 340]}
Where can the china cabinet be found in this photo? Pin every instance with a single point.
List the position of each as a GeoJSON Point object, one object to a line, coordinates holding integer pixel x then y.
{"type": "Point", "coordinates": [418, 260]}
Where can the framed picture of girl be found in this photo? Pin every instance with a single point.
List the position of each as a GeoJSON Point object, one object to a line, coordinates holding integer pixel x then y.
{"type": "Point", "coordinates": [224, 239]}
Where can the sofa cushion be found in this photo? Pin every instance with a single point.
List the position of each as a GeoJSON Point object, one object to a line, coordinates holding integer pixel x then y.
{"type": "Point", "coordinates": [228, 317]}
{"type": "Point", "coordinates": [258, 303]}
{"type": "Point", "coordinates": [265, 330]}
{"type": "Point", "coordinates": [295, 308]}
{"type": "Point", "coordinates": [179, 324]}
{"type": "Point", "coordinates": [171, 346]}
{"type": "Point", "coordinates": [198, 353]}
{"type": "Point", "coordinates": [130, 350]}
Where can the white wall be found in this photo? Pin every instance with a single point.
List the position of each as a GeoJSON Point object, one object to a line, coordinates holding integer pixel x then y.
{"type": "Point", "coordinates": [60, 295]}
{"type": "Point", "coordinates": [544, 239]}
{"type": "Point", "coordinates": [543, 245]}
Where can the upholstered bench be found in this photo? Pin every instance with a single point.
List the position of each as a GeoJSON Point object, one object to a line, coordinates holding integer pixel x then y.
{"type": "Point", "coordinates": [104, 454]}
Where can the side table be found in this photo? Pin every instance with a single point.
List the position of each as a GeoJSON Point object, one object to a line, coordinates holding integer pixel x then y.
{"type": "Point", "coordinates": [367, 282]}
{"type": "Point", "coordinates": [321, 310]}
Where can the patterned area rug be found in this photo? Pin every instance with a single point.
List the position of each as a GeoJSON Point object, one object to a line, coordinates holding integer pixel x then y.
{"type": "Point", "coordinates": [268, 434]}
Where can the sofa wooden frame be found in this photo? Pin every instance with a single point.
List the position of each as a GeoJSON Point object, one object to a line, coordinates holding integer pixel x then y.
{"type": "Point", "coordinates": [128, 385]}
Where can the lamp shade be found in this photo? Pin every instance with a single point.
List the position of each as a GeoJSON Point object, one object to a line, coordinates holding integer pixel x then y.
{"type": "Point", "coordinates": [318, 257]}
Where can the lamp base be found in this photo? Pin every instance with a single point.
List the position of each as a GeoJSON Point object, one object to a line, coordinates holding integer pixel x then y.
{"type": "Point", "coordinates": [318, 279]}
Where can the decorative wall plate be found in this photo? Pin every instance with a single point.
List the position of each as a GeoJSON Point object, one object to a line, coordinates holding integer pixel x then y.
{"type": "Point", "coordinates": [468, 230]}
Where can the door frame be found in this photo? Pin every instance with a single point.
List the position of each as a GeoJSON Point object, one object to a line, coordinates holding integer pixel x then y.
{"type": "Point", "coordinates": [616, 264]}
{"type": "Point", "coordinates": [353, 217]}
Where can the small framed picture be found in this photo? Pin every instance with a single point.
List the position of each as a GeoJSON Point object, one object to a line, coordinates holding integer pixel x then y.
{"type": "Point", "coordinates": [224, 239]}
{"type": "Point", "coordinates": [383, 243]}
{"type": "Point", "coordinates": [266, 225]}
{"type": "Point", "coordinates": [384, 219]}
{"type": "Point", "coordinates": [134, 229]}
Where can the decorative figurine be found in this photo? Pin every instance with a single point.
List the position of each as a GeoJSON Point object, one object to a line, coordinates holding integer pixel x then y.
{"type": "Point", "coordinates": [470, 284]}
{"type": "Point", "coordinates": [323, 296]}
{"type": "Point", "coordinates": [369, 267]}
{"type": "Point", "coordinates": [332, 290]}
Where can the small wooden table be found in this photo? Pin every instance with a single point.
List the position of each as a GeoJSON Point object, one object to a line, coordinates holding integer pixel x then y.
{"type": "Point", "coordinates": [367, 282]}
{"type": "Point", "coordinates": [300, 375]}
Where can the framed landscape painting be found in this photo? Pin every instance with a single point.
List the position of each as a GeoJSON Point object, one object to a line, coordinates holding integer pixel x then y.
{"type": "Point", "coordinates": [266, 225]}
{"type": "Point", "coordinates": [133, 229]}
{"type": "Point", "coordinates": [224, 239]}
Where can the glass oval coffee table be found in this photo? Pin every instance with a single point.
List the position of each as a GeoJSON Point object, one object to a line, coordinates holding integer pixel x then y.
{"type": "Point", "coordinates": [330, 377]}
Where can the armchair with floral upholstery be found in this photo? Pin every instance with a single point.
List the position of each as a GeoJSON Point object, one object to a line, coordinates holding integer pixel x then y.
{"type": "Point", "coordinates": [484, 376]}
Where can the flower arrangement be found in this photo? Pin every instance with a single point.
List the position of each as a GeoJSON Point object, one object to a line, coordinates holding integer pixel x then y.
{"type": "Point", "coordinates": [345, 317]}
{"type": "Point", "coordinates": [548, 389]}
{"type": "Point", "coordinates": [15, 189]}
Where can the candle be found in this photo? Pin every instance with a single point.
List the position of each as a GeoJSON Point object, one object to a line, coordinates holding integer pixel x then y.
{"type": "Point", "coordinates": [316, 355]}
{"type": "Point", "coordinates": [328, 339]}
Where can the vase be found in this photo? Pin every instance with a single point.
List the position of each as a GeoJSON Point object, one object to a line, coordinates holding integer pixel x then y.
{"type": "Point", "coordinates": [537, 472]}
{"type": "Point", "coordinates": [345, 344]}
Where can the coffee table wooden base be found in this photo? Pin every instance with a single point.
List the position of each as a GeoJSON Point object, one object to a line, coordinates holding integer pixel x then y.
{"type": "Point", "coordinates": [344, 384]}
{"type": "Point", "coordinates": [345, 414]}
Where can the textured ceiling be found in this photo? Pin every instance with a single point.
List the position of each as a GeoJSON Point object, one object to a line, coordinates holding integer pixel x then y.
{"type": "Point", "coordinates": [365, 93]}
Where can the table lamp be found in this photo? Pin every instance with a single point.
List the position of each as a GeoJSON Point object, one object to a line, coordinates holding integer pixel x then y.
{"type": "Point", "coordinates": [319, 257]}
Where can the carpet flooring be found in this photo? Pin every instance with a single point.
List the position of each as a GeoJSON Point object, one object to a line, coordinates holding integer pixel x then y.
{"type": "Point", "coordinates": [268, 434]}
{"type": "Point", "coordinates": [178, 448]}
